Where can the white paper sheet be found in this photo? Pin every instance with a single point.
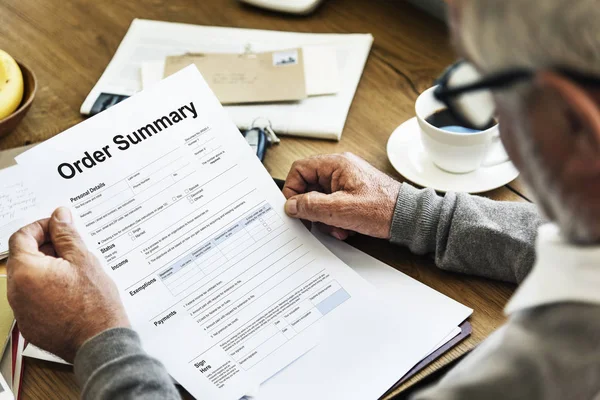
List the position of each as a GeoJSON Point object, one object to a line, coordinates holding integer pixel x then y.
{"type": "Point", "coordinates": [32, 351]}
{"type": "Point", "coordinates": [322, 116]}
{"type": "Point", "coordinates": [453, 333]}
{"type": "Point", "coordinates": [217, 280]}
{"type": "Point", "coordinates": [17, 204]}
{"type": "Point", "coordinates": [321, 70]}
{"type": "Point", "coordinates": [419, 309]}
{"type": "Point", "coordinates": [5, 393]}
{"type": "Point", "coordinates": [152, 72]}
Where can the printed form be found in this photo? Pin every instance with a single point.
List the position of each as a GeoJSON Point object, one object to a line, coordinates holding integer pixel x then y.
{"type": "Point", "coordinates": [221, 285]}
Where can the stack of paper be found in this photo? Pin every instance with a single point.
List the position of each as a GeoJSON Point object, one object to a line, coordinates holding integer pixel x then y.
{"type": "Point", "coordinates": [319, 116]}
{"type": "Point", "coordinates": [233, 296]}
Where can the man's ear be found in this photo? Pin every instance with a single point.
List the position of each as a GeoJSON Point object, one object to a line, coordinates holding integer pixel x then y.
{"type": "Point", "coordinates": [583, 108]}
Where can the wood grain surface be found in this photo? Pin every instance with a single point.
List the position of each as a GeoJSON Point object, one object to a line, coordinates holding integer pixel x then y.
{"type": "Point", "coordinates": [68, 45]}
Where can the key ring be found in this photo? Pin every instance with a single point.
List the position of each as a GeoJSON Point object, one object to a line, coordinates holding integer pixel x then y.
{"type": "Point", "coordinates": [267, 128]}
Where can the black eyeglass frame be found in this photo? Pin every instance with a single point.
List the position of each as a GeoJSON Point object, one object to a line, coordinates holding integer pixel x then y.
{"type": "Point", "coordinates": [496, 81]}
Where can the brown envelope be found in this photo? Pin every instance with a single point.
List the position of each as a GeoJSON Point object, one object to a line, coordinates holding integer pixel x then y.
{"type": "Point", "coordinates": [248, 78]}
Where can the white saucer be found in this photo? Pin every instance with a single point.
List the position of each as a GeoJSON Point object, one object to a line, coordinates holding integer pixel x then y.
{"type": "Point", "coordinates": [408, 157]}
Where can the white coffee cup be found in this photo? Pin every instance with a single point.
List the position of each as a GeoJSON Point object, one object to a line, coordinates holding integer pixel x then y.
{"type": "Point", "coordinates": [456, 152]}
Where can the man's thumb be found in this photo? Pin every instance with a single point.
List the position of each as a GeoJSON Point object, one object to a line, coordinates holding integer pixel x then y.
{"type": "Point", "coordinates": [66, 240]}
{"type": "Point", "coordinates": [313, 206]}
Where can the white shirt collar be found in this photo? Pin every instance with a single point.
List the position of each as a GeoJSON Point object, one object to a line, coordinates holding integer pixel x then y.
{"type": "Point", "coordinates": [562, 273]}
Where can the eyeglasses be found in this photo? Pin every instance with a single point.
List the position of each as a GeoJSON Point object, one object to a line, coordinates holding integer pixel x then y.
{"type": "Point", "coordinates": [468, 95]}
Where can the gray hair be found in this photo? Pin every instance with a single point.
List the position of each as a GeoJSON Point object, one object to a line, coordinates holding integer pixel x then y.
{"type": "Point", "coordinates": [500, 34]}
{"type": "Point", "coordinates": [529, 33]}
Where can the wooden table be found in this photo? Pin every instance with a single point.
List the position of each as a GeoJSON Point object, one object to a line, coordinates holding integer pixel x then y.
{"type": "Point", "coordinates": [68, 45]}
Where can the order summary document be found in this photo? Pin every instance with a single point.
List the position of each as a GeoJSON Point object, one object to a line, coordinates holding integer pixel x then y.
{"type": "Point", "coordinates": [222, 287]}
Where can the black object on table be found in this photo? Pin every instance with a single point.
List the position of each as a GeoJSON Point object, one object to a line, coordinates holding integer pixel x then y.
{"type": "Point", "coordinates": [257, 139]}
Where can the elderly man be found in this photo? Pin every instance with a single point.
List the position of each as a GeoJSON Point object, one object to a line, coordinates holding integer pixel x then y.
{"type": "Point", "coordinates": [539, 60]}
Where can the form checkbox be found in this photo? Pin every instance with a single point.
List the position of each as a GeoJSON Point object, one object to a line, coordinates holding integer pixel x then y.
{"type": "Point", "coordinates": [133, 238]}
{"type": "Point", "coordinates": [174, 198]}
{"type": "Point", "coordinates": [190, 199]}
{"type": "Point", "coordinates": [187, 190]}
{"type": "Point", "coordinates": [130, 233]}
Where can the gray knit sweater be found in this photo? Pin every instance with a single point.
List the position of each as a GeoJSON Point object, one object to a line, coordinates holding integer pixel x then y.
{"type": "Point", "coordinates": [537, 354]}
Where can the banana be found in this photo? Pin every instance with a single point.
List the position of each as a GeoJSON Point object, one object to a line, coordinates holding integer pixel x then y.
{"type": "Point", "coordinates": [11, 85]}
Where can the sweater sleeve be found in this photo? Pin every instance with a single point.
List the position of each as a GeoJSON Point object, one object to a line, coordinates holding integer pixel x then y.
{"type": "Point", "coordinates": [113, 365]}
{"type": "Point", "coordinates": [468, 234]}
{"type": "Point", "coordinates": [548, 352]}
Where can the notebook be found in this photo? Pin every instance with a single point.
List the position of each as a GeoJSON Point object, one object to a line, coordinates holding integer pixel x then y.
{"type": "Point", "coordinates": [7, 318]}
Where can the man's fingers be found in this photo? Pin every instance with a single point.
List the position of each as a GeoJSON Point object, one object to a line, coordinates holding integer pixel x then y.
{"type": "Point", "coordinates": [29, 238]}
{"type": "Point", "coordinates": [66, 240]}
{"type": "Point", "coordinates": [338, 233]}
{"type": "Point", "coordinates": [298, 180]}
{"type": "Point", "coordinates": [310, 174]}
{"type": "Point", "coordinates": [25, 248]}
{"type": "Point", "coordinates": [318, 207]}
{"type": "Point", "coordinates": [48, 249]}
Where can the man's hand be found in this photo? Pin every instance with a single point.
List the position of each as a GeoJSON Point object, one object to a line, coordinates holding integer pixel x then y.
{"type": "Point", "coordinates": [343, 192]}
{"type": "Point", "coordinates": [59, 293]}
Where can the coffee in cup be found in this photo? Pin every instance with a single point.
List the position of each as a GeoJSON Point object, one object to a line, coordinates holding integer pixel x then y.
{"type": "Point", "coordinates": [445, 120]}
{"type": "Point", "coordinates": [452, 146]}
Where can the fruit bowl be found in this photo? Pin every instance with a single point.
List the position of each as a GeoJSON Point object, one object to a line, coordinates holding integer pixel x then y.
{"type": "Point", "coordinates": [9, 123]}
